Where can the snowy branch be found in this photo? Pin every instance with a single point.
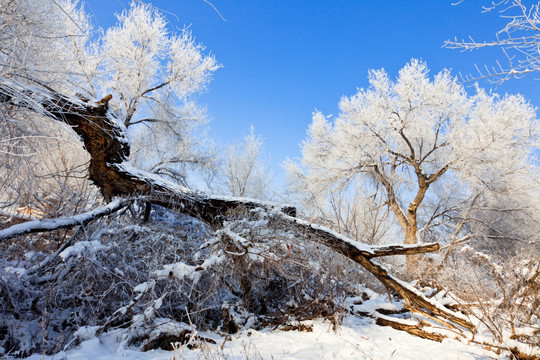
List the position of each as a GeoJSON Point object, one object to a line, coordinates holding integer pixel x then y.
{"type": "Point", "coordinates": [63, 222]}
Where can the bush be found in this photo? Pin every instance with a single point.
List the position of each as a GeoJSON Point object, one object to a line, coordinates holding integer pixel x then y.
{"type": "Point", "coordinates": [144, 276]}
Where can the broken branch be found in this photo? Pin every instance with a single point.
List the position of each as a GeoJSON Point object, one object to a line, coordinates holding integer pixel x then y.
{"type": "Point", "coordinates": [36, 226]}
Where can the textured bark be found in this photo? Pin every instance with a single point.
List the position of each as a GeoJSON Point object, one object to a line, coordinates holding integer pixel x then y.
{"type": "Point", "coordinates": [404, 249]}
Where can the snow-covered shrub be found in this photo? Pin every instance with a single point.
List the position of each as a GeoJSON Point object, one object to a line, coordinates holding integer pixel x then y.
{"type": "Point", "coordinates": [278, 277]}
{"type": "Point", "coordinates": [171, 272]}
{"type": "Point", "coordinates": [502, 294]}
{"type": "Point", "coordinates": [90, 279]}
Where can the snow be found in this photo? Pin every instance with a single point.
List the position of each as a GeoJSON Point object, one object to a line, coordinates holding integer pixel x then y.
{"type": "Point", "coordinates": [86, 332]}
{"type": "Point", "coordinates": [355, 338]}
{"type": "Point", "coordinates": [521, 347]}
{"type": "Point", "coordinates": [144, 287]}
{"type": "Point", "coordinates": [20, 272]}
{"type": "Point", "coordinates": [128, 168]}
{"type": "Point", "coordinates": [82, 248]}
{"type": "Point", "coordinates": [371, 306]}
{"type": "Point", "coordinates": [180, 270]}
{"type": "Point", "coordinates": [360, 246]}
{"type": "Point", "coordinates": [52, 224]}
{"type": "Point", "coordinates": [436, 304]}
{"type": "Point", "coordinates": [235, 237]}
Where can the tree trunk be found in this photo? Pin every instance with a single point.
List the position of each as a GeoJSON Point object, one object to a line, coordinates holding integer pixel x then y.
{"type": "Point", "coordinates": [412, 223]}
{"type": "Point", "coordinates": [410, 239]}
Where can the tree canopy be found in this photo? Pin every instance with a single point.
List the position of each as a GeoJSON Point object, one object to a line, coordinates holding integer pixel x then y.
{"type": "Point", "coordinates": [399, 139]}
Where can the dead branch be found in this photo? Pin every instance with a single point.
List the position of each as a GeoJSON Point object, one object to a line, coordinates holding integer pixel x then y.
{"type": "Point", "coordinates": [36, 226]}
{"type": "Point", "coordinates": [414, 329]}
{"type": "Point", "coordinates": [362, 254]}
{"type": "Point", "coordinates": [404, 249]}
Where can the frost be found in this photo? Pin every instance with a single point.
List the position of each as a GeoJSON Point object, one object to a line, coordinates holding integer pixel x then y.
{"type": "Point", "coordinates": [360, 246]}
{"type": "Point", "coordinates": [409, 143]}
{"type": "Point", "coordinates": [141, 288]}
{"type": "Point", "coordinates": [86, 332]}
{"type": "Point", "coordinates": [158, 303]}
{"type": "Point", "coordinates": [82, 248]}
{"type": "Point", "coordinates": [178, 271]}
{"type": "Point", "coordinates": [19, 272]}
{"type": "Point", "coordinates": [181, 270]}
{"type": "Point", "coordinates": [52, 224]}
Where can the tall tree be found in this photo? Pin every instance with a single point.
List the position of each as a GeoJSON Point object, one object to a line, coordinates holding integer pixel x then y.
{"type": "Point", "coordinates": [405, 141]}
{"type": "Point", "coordinates": [152, 73]}
{"type": "Point", "coordinates": [105, 137]}
{"type": "Point", "coordinates": [45, 41]}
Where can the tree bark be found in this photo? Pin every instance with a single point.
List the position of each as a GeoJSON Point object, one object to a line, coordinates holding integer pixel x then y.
{"type": "Point", "coordinates": [411, 329]}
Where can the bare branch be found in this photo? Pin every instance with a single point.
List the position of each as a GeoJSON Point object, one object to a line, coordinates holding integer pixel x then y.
{"type": "Point", "coordinates": [518, 41]}
{"type": "Point", "coordinates": [36, 226]}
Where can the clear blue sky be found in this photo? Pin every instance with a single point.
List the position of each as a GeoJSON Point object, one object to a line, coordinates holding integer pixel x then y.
{"type": "Point", "coordinates": [284, 59]}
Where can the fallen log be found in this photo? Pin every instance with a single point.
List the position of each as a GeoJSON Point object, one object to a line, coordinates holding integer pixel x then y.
{"type": "Point", "coordinates": [404, 249]}
{"type": "Point", "coordinates": [105, 138]}
{"type": "Point", "coordinates": [363, 254]}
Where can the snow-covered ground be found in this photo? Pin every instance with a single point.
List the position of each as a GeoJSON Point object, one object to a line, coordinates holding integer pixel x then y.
{"type": "Point", "coordinates": [356, 338]}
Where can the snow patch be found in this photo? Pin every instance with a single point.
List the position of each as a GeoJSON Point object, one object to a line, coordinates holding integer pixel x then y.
{"type": "Point", "coordinates": [82, 248]}
{"type": "Point", "coordinates": [355, 338]}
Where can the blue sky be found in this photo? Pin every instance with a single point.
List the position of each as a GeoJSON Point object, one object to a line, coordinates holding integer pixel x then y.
{"type": "Point", "coordinates": [284, 59]}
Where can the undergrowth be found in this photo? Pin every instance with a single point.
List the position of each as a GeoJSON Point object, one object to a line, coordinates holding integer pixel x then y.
{"type": "Point", "coordinates": [151, 277]}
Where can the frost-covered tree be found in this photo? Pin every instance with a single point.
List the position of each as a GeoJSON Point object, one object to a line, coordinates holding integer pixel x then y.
{"type": "Point", "coordinates": [221, 261]}
{"type": "Point", "coordinates": [407, 143]}
{"type": "Point", "coordinates": [349, 210]}
{"type": "Point", "coordinates": [244, 174]}
{"type": "Point", "coordinates": [152, 73]}
{"type": "Point", "coordinates": [44, 42]}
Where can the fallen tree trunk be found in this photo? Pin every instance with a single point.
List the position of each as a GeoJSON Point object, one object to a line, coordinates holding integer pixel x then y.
{"type": "Point", "coordinates": [388, 250]}
{"type": "Point", "coordinates": [105, 138]}
{"type": "Point", "coordinates": [363, 254]}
